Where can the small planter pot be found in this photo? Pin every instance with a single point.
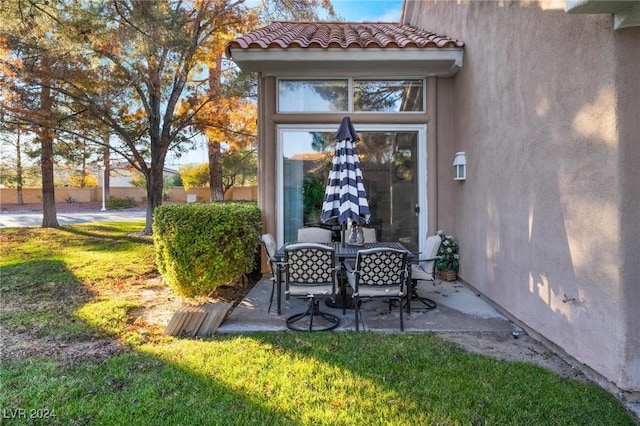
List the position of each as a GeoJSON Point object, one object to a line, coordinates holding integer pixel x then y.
{"type": "Point", "coordinates": [448, 275]}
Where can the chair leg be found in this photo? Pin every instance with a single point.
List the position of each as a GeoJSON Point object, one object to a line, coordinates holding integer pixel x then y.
{"type": "Point", "coordinates": [343, 294]}
{"type": "Point", "coordinates": [428, 303]}
{"type": "Point", "coordinates": [400, 309]}
{"type": "Point", "coordinates": [313, 311]}
{"type": "Point", "coordinates": [273, 288]}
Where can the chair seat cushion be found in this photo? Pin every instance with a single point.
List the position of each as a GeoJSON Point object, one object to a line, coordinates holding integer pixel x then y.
{"type": "Point", "coordinates": [373, 290]}
{"type": "Point", "coordinates": [376, 291]}
{"type": "Point", "coordinates": [418, 273]}
{"type": "Point", "coordinates": [309, 290]}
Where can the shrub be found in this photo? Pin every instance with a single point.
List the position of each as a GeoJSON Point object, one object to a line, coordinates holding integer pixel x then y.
{"type": "Point", "coordinates": [200, 246]}
{"type": "Point", "coordinates": [119, 203]}
{"type": "Point", "coordinates": [448, 258]}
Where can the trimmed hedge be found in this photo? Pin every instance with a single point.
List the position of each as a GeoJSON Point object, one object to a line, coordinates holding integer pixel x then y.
{"type": "Point", "coordinates": [200, 246]}
{"type": "Point", "coordinates": [113, 203]}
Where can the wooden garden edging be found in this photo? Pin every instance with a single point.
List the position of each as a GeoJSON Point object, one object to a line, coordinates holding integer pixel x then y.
{"type": "Point", "coordinates": [198, 321]}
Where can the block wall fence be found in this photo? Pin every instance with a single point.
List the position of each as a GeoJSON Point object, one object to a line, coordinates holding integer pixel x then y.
{"type": "Point", "coordinates": [87, 195]}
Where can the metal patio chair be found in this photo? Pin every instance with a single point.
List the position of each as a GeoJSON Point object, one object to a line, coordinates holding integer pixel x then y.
{"type": "Point", "coordinates": [271, 247]}
{"type": "Point", "coordinates": [379, 273]}
{"type": "Point", "coordinates": [425, 270]}
{"type": "Point", "coordinates": [314, 234]}
{"type": "Point", "coordinates": [310, 273]}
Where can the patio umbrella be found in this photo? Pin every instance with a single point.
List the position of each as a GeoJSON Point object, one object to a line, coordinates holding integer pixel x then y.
{"type": "Point", "coordinates": [345, 197]}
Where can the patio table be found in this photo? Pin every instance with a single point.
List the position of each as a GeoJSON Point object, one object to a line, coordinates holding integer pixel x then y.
{"type": "Point", "coordinates": [343, 252]}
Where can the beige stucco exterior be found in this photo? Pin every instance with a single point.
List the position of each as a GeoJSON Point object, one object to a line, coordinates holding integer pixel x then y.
{"type": "Point", "coordinates": [547, 109]}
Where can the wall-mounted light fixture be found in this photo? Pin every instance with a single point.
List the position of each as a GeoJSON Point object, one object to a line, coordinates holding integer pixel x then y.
{"type": "Point", "coordinates": [460, 166]}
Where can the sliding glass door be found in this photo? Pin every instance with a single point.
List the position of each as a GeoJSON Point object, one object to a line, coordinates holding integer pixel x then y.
{"type": "Point", "coordinates": [393, 166]}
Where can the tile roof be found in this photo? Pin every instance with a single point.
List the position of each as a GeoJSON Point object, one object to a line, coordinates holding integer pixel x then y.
{"type": "Point", "coordinates": [340, 35]}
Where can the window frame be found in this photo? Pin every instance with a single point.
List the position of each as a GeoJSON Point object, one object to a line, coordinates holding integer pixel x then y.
{"type": "Point", "coordinates": [421, 169]}
{"type": "Point", "coordinates": [351, 92]}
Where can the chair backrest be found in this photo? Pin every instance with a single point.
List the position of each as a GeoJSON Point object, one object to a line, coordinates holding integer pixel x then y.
{"type": "Point", "coordinates": [270, 247]}
{"type": "Point", "coordinates": [314, 235]}
{"type": "Point", "coordinates": [369, 235]}
{"type": "Point", "coordinates": [433, 245]}
{"type": "Point", "coordinates": [309, 264]}
{"type": "Point", "coordinates": [381, 267]}
{"type": "Point", "coordinates": [431, 252]}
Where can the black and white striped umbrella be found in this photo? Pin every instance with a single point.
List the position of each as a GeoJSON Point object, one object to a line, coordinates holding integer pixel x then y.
{"type": "Point", "coordinates": [345, 197]}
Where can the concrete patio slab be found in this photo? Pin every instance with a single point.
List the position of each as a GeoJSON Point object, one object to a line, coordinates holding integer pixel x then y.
{"type": "Point", "coordinates": [458, 309]}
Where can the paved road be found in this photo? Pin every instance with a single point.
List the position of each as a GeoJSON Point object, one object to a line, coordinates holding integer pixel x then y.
{"type": "Point", "coordinates": [9, 220]}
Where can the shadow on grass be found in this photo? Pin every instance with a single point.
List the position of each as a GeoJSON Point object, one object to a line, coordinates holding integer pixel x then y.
{"type": "Point", "coordinates": [40, 297]}
{"type": "Point", "coordinates": [98, 233]}
{"type": "Point", "coordinates": [131, 388]}
{"type": "Point", "coordinates": [432, 381]}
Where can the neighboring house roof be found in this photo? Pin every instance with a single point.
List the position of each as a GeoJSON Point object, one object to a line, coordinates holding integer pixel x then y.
{"type": "Point", "coordinates": [291, 47]}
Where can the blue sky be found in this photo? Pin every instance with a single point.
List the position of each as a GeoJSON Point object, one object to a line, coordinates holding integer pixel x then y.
{"type": "Point", "coordinates": [369, 10]}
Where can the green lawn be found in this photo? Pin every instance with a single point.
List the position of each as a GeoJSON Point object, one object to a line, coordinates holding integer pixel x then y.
{"type": "Point", "coordinates": [68, 285]}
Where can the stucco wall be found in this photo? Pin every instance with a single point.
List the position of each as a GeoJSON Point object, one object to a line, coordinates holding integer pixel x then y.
{"type": "Point", "coordinates": [546, 108]}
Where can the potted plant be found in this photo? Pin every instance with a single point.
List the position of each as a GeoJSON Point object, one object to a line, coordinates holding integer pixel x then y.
{"type": "Point", "coordinates": [448, 263]}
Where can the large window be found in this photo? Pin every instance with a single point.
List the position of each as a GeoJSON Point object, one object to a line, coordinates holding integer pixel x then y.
{"type": "Point", "coordinates": [347, 95]}
{"type": "Point", "coordinates": [391, 173]}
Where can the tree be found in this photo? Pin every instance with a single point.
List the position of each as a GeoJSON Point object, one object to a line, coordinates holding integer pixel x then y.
{"type": "Point", "coordinates": [126, 64]}
{"type": "Point", "coordinates": [82, 179]}
{"type": "Point", "coordinates": [194, 176]}
{"type": "Point", "coordinates": [30, 64]}
{"type": "Point", "coordinates": [239, 167]}
{"type": "Point", "coordinates": [229, 120]}
{"type": "Point", "coordinates": [228, 89]}
{"type": "Point", "coordinates": [13, 174]}
{"type": "Point", "coordinates": [79, 154]}
{"type": "Point", "coordinates": [146, 53]}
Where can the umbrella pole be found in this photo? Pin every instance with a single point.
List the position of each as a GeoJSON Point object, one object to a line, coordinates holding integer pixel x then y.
{"type": "Point", "coordinates": [344, 232]}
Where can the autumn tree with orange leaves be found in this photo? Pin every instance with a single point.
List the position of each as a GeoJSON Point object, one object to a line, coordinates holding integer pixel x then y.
{"type": "Point", "coordinates": [229, 117]}
{"type": "Point", "coordinates": [33, 56]}
{"type": "Point", "coordinates": [135, 68]}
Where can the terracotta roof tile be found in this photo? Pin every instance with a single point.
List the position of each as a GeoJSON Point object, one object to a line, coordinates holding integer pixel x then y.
{"type": "Point", "coordinates": [340, 35]}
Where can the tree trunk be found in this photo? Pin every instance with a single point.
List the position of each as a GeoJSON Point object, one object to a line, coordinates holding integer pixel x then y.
{"type": "Point", "coordinates": [154, 195]}
{"type": "Point", "coordinates": [215, 172]}
{"type": "Point", "coordinates": [49, 214]}
{"type": "Point", "coordinates": [19, 169]}
{"type": "Point", "coordinates": [106, 173]}
{"type": "Point", "coordinates": [83, 170]}
{"type": "Point", "coordinates": [45, 133]}
{"type": "Point", "coordinates": [215, 156]}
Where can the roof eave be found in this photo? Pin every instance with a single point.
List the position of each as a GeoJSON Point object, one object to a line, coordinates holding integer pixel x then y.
{"type": "Point", "coordinates": [626, 13]}
{"type": "Point", "coordinates": [441, 62]}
